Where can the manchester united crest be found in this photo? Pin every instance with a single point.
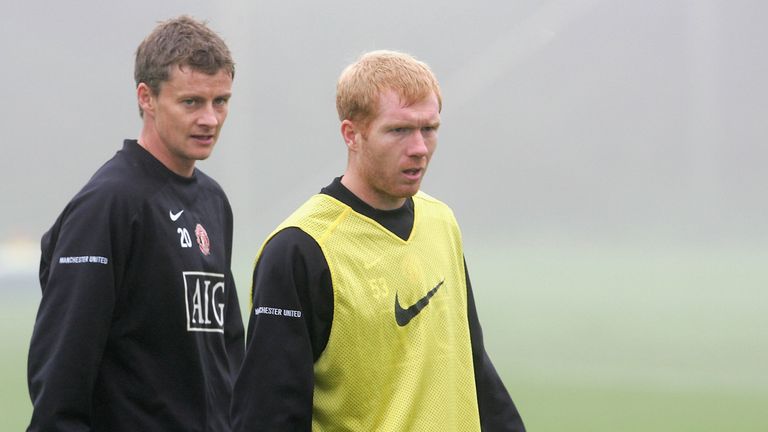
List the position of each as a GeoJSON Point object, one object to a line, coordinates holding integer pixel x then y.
{"type": "Point", "coordinates": [202, 240]}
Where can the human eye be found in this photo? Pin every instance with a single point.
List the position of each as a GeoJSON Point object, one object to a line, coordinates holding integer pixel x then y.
{"type": "Point", "coordinates": [220, 101]}
{"type": "Point", "coordinates": [429, 130]}
{"type": "Point", "coordinates": [189, 102]}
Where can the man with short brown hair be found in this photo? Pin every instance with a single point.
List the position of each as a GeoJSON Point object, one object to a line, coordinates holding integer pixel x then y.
{"type": "Point", "coordinates": [139, 327]}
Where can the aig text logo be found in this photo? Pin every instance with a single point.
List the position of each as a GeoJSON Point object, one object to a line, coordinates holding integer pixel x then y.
{"type": "Point", "coordinates": [205, 295]}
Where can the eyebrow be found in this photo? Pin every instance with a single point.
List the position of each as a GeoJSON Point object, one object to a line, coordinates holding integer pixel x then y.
{"type": "Point", "coordinates": [199, 96]}
{"type": "Point", "coordinates": [412, 125]}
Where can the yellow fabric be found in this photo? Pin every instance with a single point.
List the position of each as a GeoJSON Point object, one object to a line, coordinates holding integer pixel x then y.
{"type": "Point", "coordinates": [374, 374]}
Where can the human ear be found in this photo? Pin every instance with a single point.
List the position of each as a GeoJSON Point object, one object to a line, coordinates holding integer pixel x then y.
{"type": "Point", "coordinates": [350, 134]}
{"type": "Point", "coordinates": [145, 98]}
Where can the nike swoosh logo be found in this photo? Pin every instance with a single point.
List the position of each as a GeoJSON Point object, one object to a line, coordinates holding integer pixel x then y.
{"type": "Point", "coordinates": [175, 216]}
{"type": "Point", "coordinates": [404, 316]}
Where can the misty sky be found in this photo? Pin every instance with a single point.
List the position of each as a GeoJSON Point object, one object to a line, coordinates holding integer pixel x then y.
{"type": "Point", "coordinates": [617, 121]}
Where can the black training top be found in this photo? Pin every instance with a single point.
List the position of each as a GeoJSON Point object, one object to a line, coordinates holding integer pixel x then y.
{"type": "Point", "coordinates": [139, 327]}
{"type": "Point", "coordinates": [274, 392]}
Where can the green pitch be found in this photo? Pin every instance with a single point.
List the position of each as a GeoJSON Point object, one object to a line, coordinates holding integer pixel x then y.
{"type": "Point", "coordinates": [628, 338]}
{"type": "Point", "coordinates": [596, 338]}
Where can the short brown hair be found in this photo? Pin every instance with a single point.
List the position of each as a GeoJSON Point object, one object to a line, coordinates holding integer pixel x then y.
{"type": "Point", "coordinates": [361, 83]}
{"type": "Point", "coordinates": [181, 41]}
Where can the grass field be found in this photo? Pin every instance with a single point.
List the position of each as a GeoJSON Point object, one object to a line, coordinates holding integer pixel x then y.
{"type": "Point", "coordinates": [18, 310]}
{"type": "Point", "coordinates": [597, 338]}
{"type": "Point", "coordinates": [587, 338]}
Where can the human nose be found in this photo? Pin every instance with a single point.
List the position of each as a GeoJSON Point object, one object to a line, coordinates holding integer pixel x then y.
{"type": "Point", "coordinates": [208, 116]}
{"type": "Point", "coordinates": [417, 145]}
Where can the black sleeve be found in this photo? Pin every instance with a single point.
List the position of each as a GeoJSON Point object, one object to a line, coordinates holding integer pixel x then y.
{"type": "Point", "coordinates": [497, 411]}
{"type": "Point", "coordinates": [287, 331]}
{"type": "Point", "coordinates": [234, 334]}
{"type": "Point", "coordinates": [75, 313]}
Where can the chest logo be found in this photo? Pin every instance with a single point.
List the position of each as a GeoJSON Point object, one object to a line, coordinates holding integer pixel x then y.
{"type": "Point", "coordinates": [175, 216]}
{"type": "Point", "coordinates": [202, 240]}
{"type": "Point", "coordinates": [206, 297]}
{"type": "Point", "coordinates": [404, 316]}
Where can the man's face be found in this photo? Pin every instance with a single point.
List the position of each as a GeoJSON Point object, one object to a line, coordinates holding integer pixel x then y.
{"type": "Point", "coordinates": [393, 153]}
{"type": "Point", "coordinates": [188, 113]}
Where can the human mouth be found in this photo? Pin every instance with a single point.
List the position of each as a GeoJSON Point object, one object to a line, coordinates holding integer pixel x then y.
{"type": "Point", "coordinates": [413, 174]}
{"type": "Point", "coordinates": [204, 139]}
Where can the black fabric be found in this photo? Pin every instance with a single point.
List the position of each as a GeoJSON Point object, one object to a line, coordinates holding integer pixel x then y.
{"type": "Point", "coordinates": [399, 221]}
{"type": "Point", "coordinates": [275, 386]}
{"type": "Point", "coordinates": [139, 327]}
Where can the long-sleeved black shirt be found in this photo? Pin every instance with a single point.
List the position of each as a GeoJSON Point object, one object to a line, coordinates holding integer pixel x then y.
{"type": "Point", "coordinates": [139, 327]}
{"type": "Point", "coordinates": [275, 387]}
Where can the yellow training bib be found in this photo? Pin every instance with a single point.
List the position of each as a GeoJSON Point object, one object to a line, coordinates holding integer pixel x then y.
{"type": "Point", "coordinates": [399, 356]}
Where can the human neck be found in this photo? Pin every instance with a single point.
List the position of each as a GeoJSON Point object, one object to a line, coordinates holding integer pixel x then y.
{"type": "Point", "coordinates": [368, 195]}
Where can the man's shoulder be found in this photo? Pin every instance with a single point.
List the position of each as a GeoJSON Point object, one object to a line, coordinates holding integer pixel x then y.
{"type": "Point", "coordinates": [119, 179]}
{"type": "Point", "coordinates": [121, 184]}
{"type": "Point", "coordinates": [107, 196]}
{"type": "Point", "coordinates": [208, 183]}
{"type": "Point", "coordinates": [306, 223]}
{"type": "Point", "coordinates": [431, 205]}
{"type": "Point", "coordinates": [289, 237]}
{"type": "Point", "coordinates": [318, 208]}
{"type": "Point", "coordinates": [426, 198]}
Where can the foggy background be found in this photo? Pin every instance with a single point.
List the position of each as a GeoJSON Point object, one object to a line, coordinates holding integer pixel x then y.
{"type": "Point", "coordinates": [605, 159]}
